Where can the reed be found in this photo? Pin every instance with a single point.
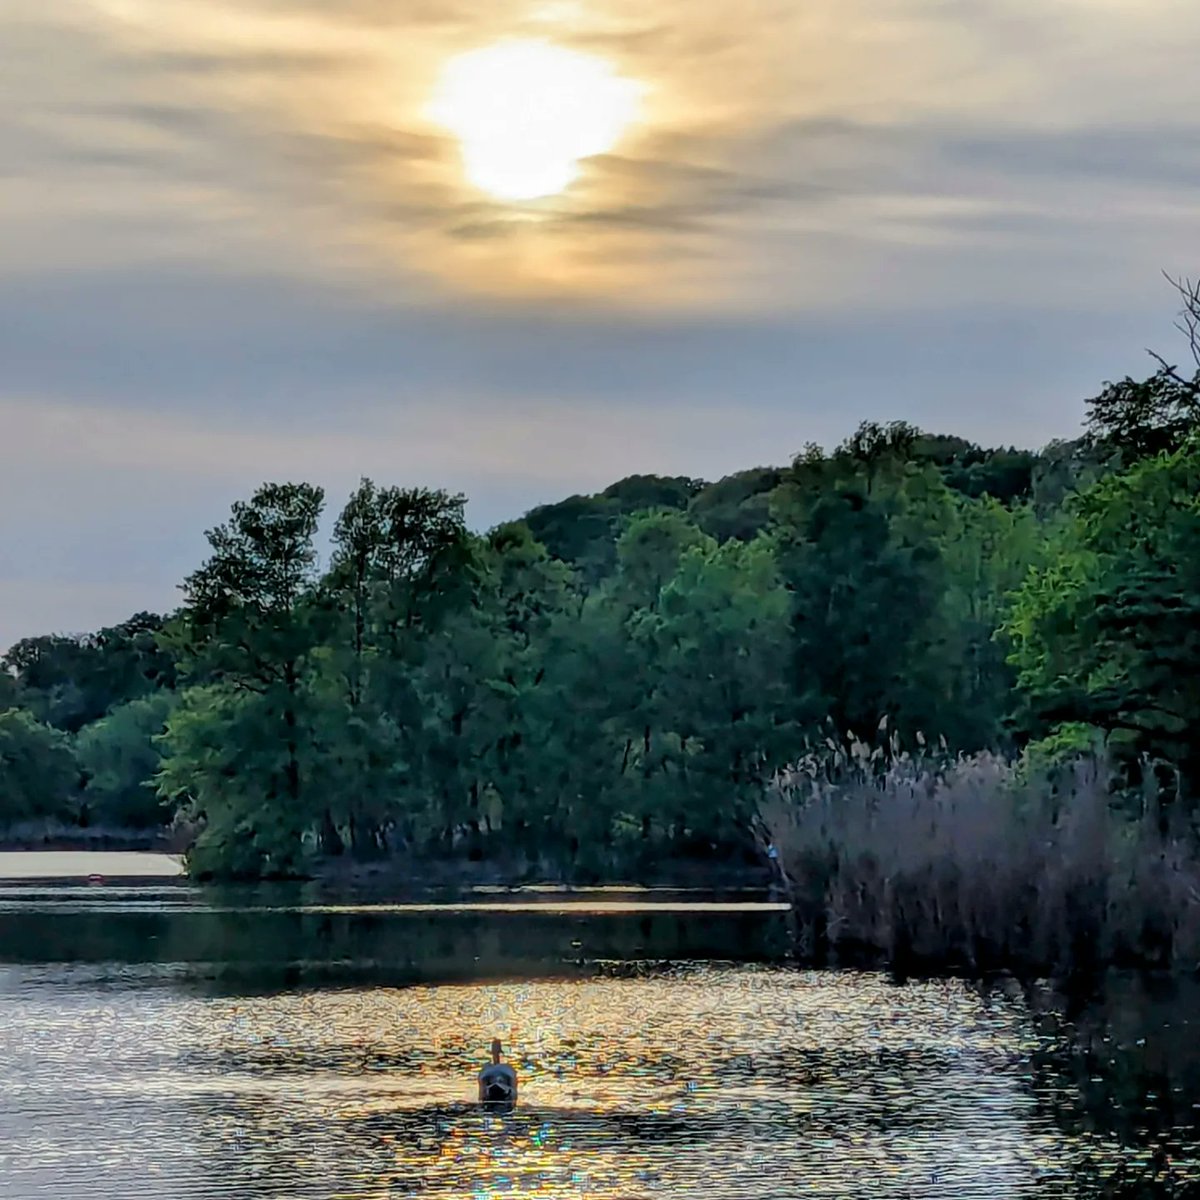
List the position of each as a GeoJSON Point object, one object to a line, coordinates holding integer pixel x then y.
{"type": "Point", "coordinates": [980, 863]}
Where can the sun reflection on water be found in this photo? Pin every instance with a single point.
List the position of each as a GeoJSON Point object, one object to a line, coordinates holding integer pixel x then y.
{"type": "Point", "coordinates": [705, 1080]}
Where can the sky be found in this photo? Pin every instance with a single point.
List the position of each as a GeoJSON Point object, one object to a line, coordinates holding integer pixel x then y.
{"type": "Point", "coordinates": [279, 239]}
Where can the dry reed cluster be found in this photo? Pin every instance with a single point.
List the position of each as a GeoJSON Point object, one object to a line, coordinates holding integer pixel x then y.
{"type": "Point", "coordinates": [980, 863]}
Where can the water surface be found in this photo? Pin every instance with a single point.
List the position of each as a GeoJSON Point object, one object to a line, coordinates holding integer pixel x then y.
{"type": "Point", "coordinates": [69, 864]}
{"type": "Point", "coordinates": [167, 1043]}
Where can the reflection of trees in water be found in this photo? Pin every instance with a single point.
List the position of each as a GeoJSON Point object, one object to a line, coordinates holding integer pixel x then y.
{"type": "Point", "coordinates": [286, 947]}
{"type": "Point", "coordinates": [1116, 1067]}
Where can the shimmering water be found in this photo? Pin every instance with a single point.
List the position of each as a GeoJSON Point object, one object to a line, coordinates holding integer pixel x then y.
{"type": "Point", "coordinates": [163, 1043]}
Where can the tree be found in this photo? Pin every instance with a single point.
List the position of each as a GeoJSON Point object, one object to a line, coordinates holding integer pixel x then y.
{"type": "Point", "coordinates": [38, 773]}
{"type": "Point", "coordinates": [738, 506]}
{"type": "Point", "coordinates": [120, 756]}
{"type": "Point", "coordinates": [1139, 419]}
{"type": "Point", "coordinates": [69, 681]}
{"type": "Point", "coordinates": [241, 748]}
{"type": "Point", "coordinates": [714, 651]}
{"type": "Point", "coordinates": [8, 689]}
{"type": "Point", "coordinates": [860, 560]}
{"type": "Point", "coordinates": [250, 769]}
{"type": "Point", "coordinates": [987, 549]}
{"type": "Point", "coordinates": [1107, 633]}
{"type": "Point", "coordinates": [583, 530]}
{"type": "Point", "coordinates": [648, 554]}
{"type": "Point", "coordinates": [404, 564]}
{"type": "Point", "coordinates": [642, 493]}
{"type": "Point", "coordinates": [53, 673]}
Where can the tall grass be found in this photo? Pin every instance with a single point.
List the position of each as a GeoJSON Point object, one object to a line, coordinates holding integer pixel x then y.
{"type": "Point", "coordinates": [980, 863]}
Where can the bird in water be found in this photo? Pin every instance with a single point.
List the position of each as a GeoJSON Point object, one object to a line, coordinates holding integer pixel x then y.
{"type": "Point", "coordinates": [498, 1083]}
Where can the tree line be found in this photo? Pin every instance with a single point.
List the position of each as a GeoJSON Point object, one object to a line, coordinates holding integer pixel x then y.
{"type": "Point", "coordinates": [614, 680]}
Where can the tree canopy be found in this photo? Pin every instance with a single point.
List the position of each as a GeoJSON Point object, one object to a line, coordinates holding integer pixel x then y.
{"type": "Point", "coordinates": [614, 680]}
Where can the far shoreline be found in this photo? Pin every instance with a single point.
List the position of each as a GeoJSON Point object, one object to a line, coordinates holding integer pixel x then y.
{"type": "Point", "coordinates": [113, 858]}
{"type": "Point", "coordinates": [68, 864]}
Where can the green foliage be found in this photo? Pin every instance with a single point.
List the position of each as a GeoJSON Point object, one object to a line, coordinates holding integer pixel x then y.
{"type": "Point", "coordinates": [649, 553]}
{"type": "Point", "coordinates": [716, 645]}
{"type": "Point", "coordinates": [865, 577]}
{"type": "Point", "coordinates": [617, 679]}
{"type": "Point", "coordinates": [120, 757]}
{"type": "Point", "coordinates": [987, 550]}
{"type": "Point", "coordinates": [38, 772]}
{"type": "Point", "coordinates": [241, 749]}
{"type": "Point", "coordinates": [247, 763]}
{"type": "Point", "coordinates": [641, 493]}
{"type": "Point", "coordinates": [583, 530]}
{"type": "Point", "coordinates": [738, 506]}
{"type": "Point", "coordinates": [70, 681]}
{"type": "Point", "coordinates": [1107, 633]}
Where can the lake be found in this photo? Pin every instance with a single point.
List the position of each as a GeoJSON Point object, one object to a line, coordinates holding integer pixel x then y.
{"type": "Point", "coordinates": [163, 1041]}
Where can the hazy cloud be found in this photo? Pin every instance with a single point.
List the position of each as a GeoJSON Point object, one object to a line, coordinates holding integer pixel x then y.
{"type": "Point", "coordinates": [233, 245]}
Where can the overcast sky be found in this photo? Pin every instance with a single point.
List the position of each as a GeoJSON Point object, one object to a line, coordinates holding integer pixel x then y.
{"type": "Point", "coordinates": [234, 246]}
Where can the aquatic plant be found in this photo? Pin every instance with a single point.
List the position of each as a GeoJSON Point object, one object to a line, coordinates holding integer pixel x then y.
{"type": "Point", "coordinates": [980, 862]}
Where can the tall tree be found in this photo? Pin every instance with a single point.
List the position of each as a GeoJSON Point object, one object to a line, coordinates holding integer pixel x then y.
{"type": "Point", "coordinates": [865, 577]}
{"type": "Point", "coordinates": [243, 748]}
{"type": "Point", "coordinates": [715, 653]}
{"type": "Point", "coordinates": [403, 566]}
{"type": "Point", "coordinates": [1107, 633]}
{"type": "Point", "coordinates": [69, 681]}
{"type": "Point", "coordinates": [1140, 418]}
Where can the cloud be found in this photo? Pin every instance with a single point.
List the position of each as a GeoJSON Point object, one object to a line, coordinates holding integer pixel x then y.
{"type": "Point", "coordinates": [235, 247]}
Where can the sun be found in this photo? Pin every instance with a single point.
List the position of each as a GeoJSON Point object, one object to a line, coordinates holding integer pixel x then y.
{"type": "Point", "coordinates": [527, 112]}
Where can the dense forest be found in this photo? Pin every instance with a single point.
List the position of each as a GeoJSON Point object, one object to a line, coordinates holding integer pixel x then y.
{"type": "Point", "coordinates": [614, 681]}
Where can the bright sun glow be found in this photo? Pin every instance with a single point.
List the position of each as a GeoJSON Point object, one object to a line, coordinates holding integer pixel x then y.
{"type": "Point", "coordinates": [526, 113]}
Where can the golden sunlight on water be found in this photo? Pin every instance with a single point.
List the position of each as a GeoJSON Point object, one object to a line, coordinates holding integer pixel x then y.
{"type": "Point", "coordinates": [698, 1081]}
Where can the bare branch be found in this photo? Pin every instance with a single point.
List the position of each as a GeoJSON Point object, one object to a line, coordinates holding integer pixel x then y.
{"type": "Point", "coordinates": [1190, 384]}
{"type": "Point", "coordinates": [1189, 315]}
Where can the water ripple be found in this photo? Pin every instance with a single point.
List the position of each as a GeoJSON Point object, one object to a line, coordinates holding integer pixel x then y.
{"type": "Point", "coordinates": [725, 1081]}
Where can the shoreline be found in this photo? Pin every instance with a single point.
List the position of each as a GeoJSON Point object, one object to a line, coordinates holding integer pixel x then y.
{"type": "Point", "coordinates": [111, 855]}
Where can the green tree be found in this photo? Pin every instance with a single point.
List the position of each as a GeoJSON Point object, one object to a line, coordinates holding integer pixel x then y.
{"type": "Point", "coordinates": [38, 772]}
{"type": "Point", "coordinates": [120, 756]}
{"type": "Point", "coordinates": [251, 769]}
{"type": "Point", "coordinates": [865, 575]}
{"type": "Point", "coordinates": [715, 656]}
{"type": "Point", "coordinates": [242, 748]}
{"type": "Point", "coordinates": [583, 530]}
{"type": "Point", "coordinates": [648, 555]}
{"type": "Point", "coordinates": [738, 506]}
{"type": "Point", "coordinates": [69, 681]}
{"type": "Point", "coordinates": [1107, 633]}
{"type": "Point", "coordinates": [987, 549]}
{"type": "Point", "coordinates": [1141, 418]}
{"type": "Point", "coordinates": [403, 565]}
